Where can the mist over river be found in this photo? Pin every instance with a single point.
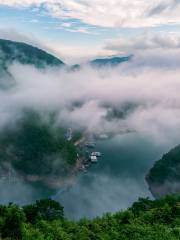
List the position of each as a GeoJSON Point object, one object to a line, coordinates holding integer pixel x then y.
{"type": "Point", "coordinates": [141, 95]}
{"type": "Point", "coordinates": [117, 180]}
{"type": "Point", "coordinates": [114, 183]}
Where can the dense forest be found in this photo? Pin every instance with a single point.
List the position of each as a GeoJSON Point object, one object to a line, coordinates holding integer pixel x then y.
{"type": "Point", "coordinates": [145, 220]}
{"type": "Point", "coordinates": [164, 177]}
{"type": "Point", "coordinates": [34, 147]}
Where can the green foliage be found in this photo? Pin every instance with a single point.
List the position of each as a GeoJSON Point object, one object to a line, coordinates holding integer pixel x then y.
{"type": "Point", "coordinates": [164, 177]}
{"type": "Point", "coordinates": [35, 147]}
{"type": "Point", "coordinates": [167, 168]}
{"type": "Point", "coordinates": [46, 209]}
{"type": "Point", "coordinates": [12, 223]}
{"type": "Point", "coordinates": [145, 220]}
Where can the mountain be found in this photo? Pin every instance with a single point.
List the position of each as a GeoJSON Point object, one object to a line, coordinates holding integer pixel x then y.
{"type": "Point", "coordinates": [11, 51]}
{"type": "Point", "coordinates": [23, 53]}
{"type": "Point", "coordinates": [103, 62]}
{"type": "Point", "coordinates": [112, 62]}
{"type": "Point", "coordinates": [33, 149]}
{"type": "Point", "coordinates": [37, 151]}
{"type": "Point", "coordinates": [164, 177]}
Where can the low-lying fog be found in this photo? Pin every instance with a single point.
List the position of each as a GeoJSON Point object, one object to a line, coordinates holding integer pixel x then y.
{"type": "Point", "coordinates": [144, 91]}
{"type": "Point", "coordinates": [116, 181]}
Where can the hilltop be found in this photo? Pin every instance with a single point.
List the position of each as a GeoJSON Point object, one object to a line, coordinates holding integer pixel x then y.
{"type": "Point", "coordinates": [23, 53]}
{"type": "Point", "coordinates": [164, 177]}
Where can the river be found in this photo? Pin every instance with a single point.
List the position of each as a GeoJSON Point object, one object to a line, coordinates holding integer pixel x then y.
{"type": "Point", "coordinates": [116, 181]}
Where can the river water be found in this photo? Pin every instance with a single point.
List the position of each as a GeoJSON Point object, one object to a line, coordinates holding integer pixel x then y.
{"type": "Point", "coordinates": [116, 181]}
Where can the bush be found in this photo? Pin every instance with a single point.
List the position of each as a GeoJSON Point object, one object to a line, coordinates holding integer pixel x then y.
{"type": "Point", "coordinates": [12, 226]}
{"type": "Point", "coordinates": [46, 209]}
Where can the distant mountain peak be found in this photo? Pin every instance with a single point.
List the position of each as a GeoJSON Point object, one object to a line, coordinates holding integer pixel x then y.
{"type": "Point", "coordinates": [110, 61]}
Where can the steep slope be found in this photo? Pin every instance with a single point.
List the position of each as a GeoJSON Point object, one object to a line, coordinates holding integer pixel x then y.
{"type": "Point", "coordinates": [23, 53]}
{"type": "Point", "coordinates": [31, 148]}
{"type": "Point", "coordinates": [164, 177]}
{"type": "Point", "coordinates": [36, 151]}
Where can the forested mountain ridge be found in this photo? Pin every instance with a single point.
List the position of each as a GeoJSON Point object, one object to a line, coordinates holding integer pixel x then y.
{"type": "Point", "coordinates": [164, 177]}
{"type": "Point", "coordinates": [11, 51]}
{"type": "Point", "coordinates": [111, 61]}
{"type": "Point", "coordinates": [36, 151]}
{"type": "Point", "coordinates": [23, 53]}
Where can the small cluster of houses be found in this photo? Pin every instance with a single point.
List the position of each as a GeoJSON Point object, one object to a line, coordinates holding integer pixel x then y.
{"type": "Point", "coordinates": [93, 156]}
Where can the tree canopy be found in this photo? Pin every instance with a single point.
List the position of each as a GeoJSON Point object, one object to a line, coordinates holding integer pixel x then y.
{"type": "Point", "coordinates": [145, 220]}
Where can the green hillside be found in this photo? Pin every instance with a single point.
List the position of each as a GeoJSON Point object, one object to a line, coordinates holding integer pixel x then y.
{"type": "Point", "coordinates": [23, 53]}
{"type": "Point", "coordinates": [36, 149]}
{"type": "Point", "coordinates": [164, 177]}
{"type": "Point", "coordinates": [145, 220]}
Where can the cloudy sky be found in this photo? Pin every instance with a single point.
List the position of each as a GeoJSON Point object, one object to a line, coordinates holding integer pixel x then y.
{"type": "Point", "coordinates": [74, 29]}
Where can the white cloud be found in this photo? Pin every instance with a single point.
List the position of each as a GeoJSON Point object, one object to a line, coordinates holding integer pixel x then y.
{"type": "Point", "coordinates": [110, 193]}
{"type": "Point", "coordinates": [70, 54]}
{"type": "Point", "coordinates": [145, 41]}
{"type": "Point", "coordinates": [148, 82]}
{"type": "Point", "coordinates": [105, 13]}
{"type": "Point", "coordinates": [132, 82]}
{"type": "Point", "coordinates": [66, 24]}
{"type": "Point", "coordinates": [14, 35]}
{"type": "Point", "coordinates": [79, 30]}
